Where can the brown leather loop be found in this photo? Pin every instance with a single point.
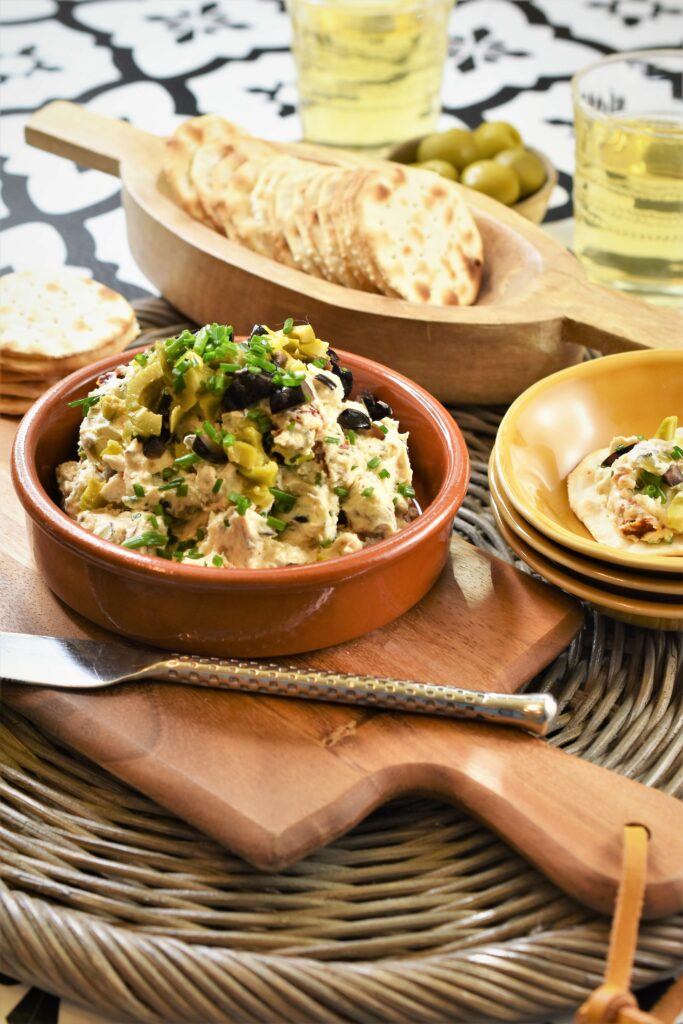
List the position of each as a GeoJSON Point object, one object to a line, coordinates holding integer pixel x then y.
{"type": "Point", "coordinates": [603, 1005]}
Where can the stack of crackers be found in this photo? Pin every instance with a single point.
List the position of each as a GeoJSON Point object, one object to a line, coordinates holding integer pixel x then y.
{"type": "Point", "coordinates": [52, 324]}
{"type": "Point", "coordinates": [375, 226]}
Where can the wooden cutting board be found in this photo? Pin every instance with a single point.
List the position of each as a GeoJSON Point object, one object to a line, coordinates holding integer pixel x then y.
{"type": "Point", "coordinates": [274, 779]}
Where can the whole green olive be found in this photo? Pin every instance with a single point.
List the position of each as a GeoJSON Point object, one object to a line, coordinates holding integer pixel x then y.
{"type": "Point", "coordinates": [441, 167]}
{"type": "Point", "coordinates": [493, 136]}
{"type": "Point", "coordinates": [456, 146]}
{"type": "Point", "coordinates": [487, 176]}
{"type": "Point", "coordinates": [527, 166]}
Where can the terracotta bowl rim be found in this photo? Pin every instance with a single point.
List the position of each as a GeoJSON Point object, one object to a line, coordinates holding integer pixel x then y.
{"type": "Point", "coordinates": [542, 521]}
{"type": "Point", "coordinates": [46, 514]}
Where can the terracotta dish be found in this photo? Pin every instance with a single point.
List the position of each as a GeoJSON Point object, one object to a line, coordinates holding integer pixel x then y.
{"type": "Point", "coordinates": [590, 568]}
{"type": "Point", "coordinates": [242, 612]}
{"type": "Point", "coordinates": [549, 429]}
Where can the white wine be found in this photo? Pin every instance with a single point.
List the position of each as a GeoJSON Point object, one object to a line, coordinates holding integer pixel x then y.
{"type": "Point", "coordinates": [369, 71]}
{"type": "Point", "coordinates": [628, 203]}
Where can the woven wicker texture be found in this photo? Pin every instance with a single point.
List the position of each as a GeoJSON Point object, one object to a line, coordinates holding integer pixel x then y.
{"type": "Point", "coordinates": [419, 914]}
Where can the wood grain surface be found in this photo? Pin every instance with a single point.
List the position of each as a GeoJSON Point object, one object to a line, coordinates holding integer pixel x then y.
{"type": "Point", "coordinates": [274, 779]}
{"type": "Point", "coordinates": [535, 311]}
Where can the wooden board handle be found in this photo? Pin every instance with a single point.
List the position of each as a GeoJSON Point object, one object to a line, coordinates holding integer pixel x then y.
{"type": "Point", "coordinates": [610, 321]}
{"type": "Point", "coordinates": [91, 140]}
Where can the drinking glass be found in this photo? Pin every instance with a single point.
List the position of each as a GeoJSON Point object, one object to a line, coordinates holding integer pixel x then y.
{"type": "Point", "coordinates": [369, 71]}
{"type": "Point", "coordinates": [628, 184]}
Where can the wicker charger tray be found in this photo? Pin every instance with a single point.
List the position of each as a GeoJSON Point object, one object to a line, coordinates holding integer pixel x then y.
{"type": "Point", "coordinates": [419, 914]}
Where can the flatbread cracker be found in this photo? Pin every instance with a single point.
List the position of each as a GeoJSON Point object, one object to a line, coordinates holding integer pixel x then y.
{"type": "Point", "coordinates": [419, 234]}
{"type": "Point", "coordinates": [179, 154]}
{"type": "Point", "coordinates": [14, 406]}
{"type": "Point", "coordinates": [59, 316]}
{"type": "Point", "coordinates": [35, 367]}
{"type": "Point", "coordinates": [22, 389]}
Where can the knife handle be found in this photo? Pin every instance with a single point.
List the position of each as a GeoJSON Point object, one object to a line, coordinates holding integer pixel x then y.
{"type": "Point", "coordinates": [533, 712]}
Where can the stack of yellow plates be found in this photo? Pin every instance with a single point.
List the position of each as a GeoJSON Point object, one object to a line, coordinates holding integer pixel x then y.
{"type": "Point", "coordinates": [543, 436]}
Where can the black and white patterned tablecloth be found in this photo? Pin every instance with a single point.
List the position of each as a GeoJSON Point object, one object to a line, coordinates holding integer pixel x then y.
{"type": "Point", "coordinates": [156, 62]}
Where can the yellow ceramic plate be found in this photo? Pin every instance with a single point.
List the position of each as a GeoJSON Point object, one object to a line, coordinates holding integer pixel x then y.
{"type": "Point", "coordinates": [560, 419]}
{"type": "Point", "coordinates": [588, 567]}
{"type": "Point", "coordinates": [654, 614]}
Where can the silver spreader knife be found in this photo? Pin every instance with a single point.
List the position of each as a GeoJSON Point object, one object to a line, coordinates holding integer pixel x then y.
{"type": "Point", "coordinates": [69, 664]}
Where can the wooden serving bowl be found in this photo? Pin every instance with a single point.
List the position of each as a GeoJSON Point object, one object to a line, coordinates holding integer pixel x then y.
{"type": "Point", "coordinates": [250, 613]}
{"type": "Point", "coordinates": [549, 429]}
{"type": "Point", "coordinates": [535, 312]}
{"type": "Point", "coordinates": [532, 207]}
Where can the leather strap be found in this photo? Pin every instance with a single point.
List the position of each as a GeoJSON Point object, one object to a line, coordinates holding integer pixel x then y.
{"type": "Point", "coordinates": [668, 1007]}
{"type": "Point", "coordinates": [612, 1002]}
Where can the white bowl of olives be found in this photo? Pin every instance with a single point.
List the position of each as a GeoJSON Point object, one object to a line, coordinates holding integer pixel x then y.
{"type": "Point", "coordinates": [491, 159]}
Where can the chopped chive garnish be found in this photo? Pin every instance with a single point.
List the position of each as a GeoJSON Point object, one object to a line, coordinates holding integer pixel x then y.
{"type": "Point", "coordinates": [341, 492]}
{"type": "Point", "coordinates": [217, 561]}
{"type": "Point", "coordinates": [374, 462]}
{"type": "Point", "coordinates": [187, 460]}
{"type": "Point", "coordinates": [150, 539]}
{"type": "Point", "coordinates": [318, 479]}
{"type": "Point", "coordinates": [368, 492]}
{"type": "Point", "coordinates": [86, 403]}
{"type": "Point", "coordinates": [200, 534]}
{"type": "Point", "coordinates": [228, 439]}
{"type": "Point", "coordinates": [351, 434]}
{"type": "Point", "coordinates": [171, 484]}
{"type": "Point", "coordinates": [284, 497]}
{"type": "Point", "coordinates": [158, 510]}
{"type": "Point", "coordinates": [276, 524]}
{"type": "Point", "coordinates": [153, 521]}
{"type": "Point", "coordinates": [288, 326]}
{"type": "Point", "coordinates": [326, 543]}
{"type": "Point", "coordinates": [676, 452]}
{"type": "Point", "coordinates": [210, 431]}
{"type": "Point", "coordinates": [162, 553]}
{"type": "Point", "coordinates": [380, 426]}
{"type": "Point", "coordinates": [229, 367]}
{"type": "Point", "coordinates": [320, 363]}
{"type": "Point", "coordinates": [383, 474]}
{"type": "Point", "coordinates": [168, 472]}
{"type": "Point", "coordinates": [178, 556]}
{"type": "Point", "coordinates": [141, 358]}
{"type": "Point", "coordinates": [194, 553]}
{"type": "Point", "coordinates": [181, 490]}
{"type": "Point", "coordinates": [217, 486]}
{"type": "Point", "coordinates": [406, 490]}
{"type": "Point", "coordinates": [332, 440]}
{"type": "Point", "coordinates": [240, 501]}
{"type": "Point", "coordinates": [139, 490]}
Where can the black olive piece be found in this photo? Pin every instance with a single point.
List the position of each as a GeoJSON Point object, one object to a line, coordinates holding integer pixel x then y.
{"type": "Point", "coordinates": [257, 330]}
{"type": "Point", "coordinates": [673, 475]}
{"type": "Point", "coordinates": [345, 376]}
{"type": "Point", "coordinates": [209, 450]}
{"type": "Point", "coordinates": [246, 389]}
{"type": "Point", "coordinates": [153, 447]}
{"type": "Point", "coordinates": [327, 381]}
{"type": "Point", "coordinates": [342, 518]}
{"type": "Point", "coordinates": [377, 409]}
{"type": "Point", "coordinates": [613, 456]}
{"type": "Point", "coordinates": [333, 357]}
{"type": "Point", "coordinates": [286, 398]}
{"type": "Point", "coordinates": [354, 419]}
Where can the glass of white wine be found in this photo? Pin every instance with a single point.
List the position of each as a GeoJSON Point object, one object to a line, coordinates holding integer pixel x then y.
{"type": "Point", "coordinates": [369, 71]}
{"type": "Point", "coordinates": [628, 183]}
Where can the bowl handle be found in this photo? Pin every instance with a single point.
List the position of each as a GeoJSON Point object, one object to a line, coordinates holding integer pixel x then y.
{"type": "Point", "coordinates": [91, 140]}
{"type": "Point", "coordinates": [610, 321]}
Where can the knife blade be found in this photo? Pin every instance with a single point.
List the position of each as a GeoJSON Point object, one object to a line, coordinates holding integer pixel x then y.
{"type": "Point", "coordinates": [76, 664]}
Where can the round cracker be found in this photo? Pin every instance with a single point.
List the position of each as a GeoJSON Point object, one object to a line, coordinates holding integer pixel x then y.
{"type": "Point", "coordinates": [420, 235]}
{"type": "Point", "coordinates": [56, 368]}
{"type": "Point", "coordinates": [58, 316]}
{"type": "Point", "coordinates": [14, 406]}
{"type": "Point", "coordinates": [179, 154]}
{"type": "Point", "coordinates": [22, 389]}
